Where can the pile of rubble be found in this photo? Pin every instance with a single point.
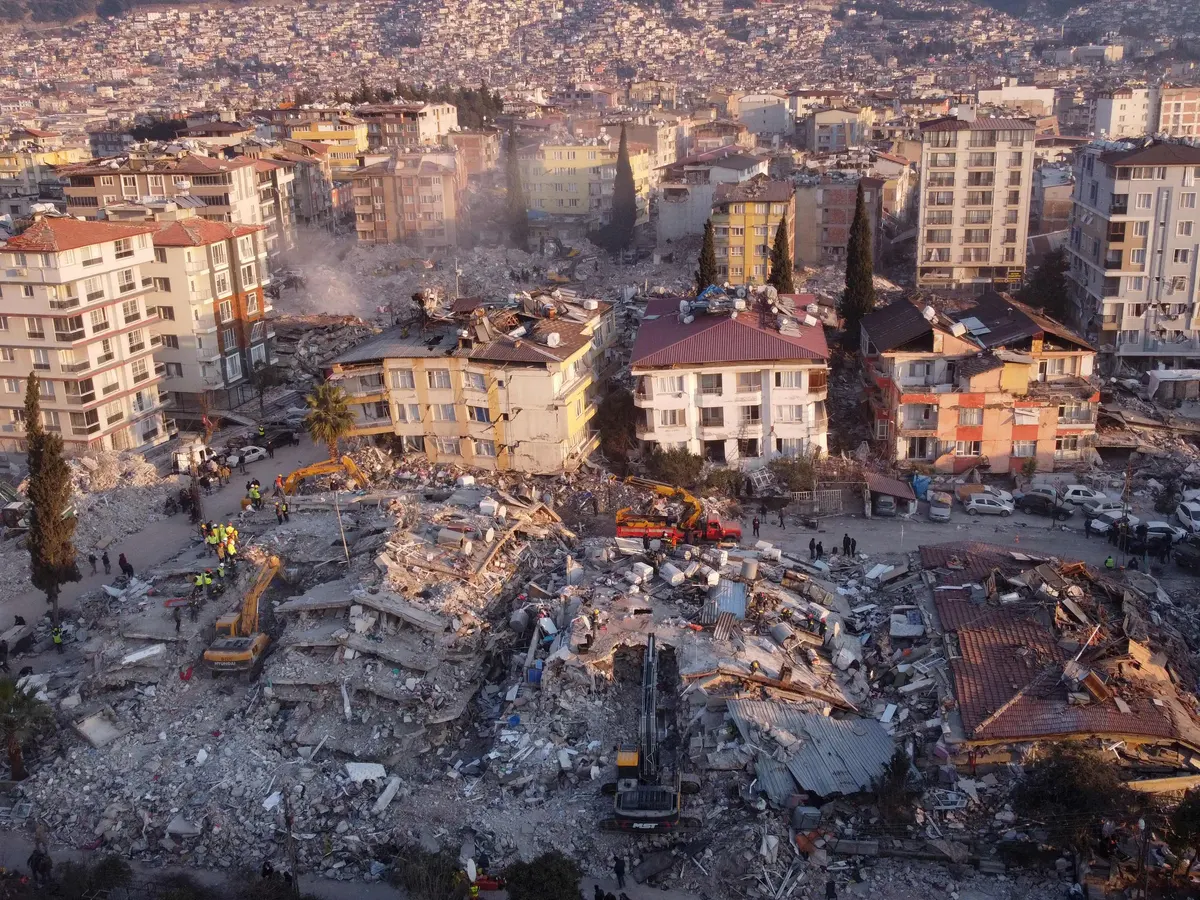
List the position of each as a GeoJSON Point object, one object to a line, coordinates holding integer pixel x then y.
{"type": "Point", "coordinates": [305, 344]}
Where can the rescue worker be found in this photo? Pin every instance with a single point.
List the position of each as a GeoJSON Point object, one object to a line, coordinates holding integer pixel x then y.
{"type": "Point", "coordinates": [283, 507]}
{"type": "Point", "coordinates": [278, 512]}
{"type": "Point", "coordinates": [262, 433]}
{"type": "Point", "coordinates": [208, 583]}
{"type": "Point", "coordinates": [1110, 563]}
{"type": "Point", "coordinates": [107, 563]}
{"type": "Point", "coordinates": [231, 555]}
{"type": "Point", "coordinates": [277, 489]}
{"type": "Point", "coordinates": [221, 572]}
{"type": "Point", "coordinates": [57, 636]}
{"type": "Point", "coordinates": [212, 540]}
{"type": "Point", "coordinates": [255, 496]}
{"type": "Point", "coordinates": [198, 584]}
{"type": "Point", "coordinates": [222, 534]}
{"type": "Point", "coordinates": [221, 552]}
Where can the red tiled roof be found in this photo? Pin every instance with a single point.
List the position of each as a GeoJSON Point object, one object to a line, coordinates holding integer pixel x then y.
{"type": "Point", "coordinates": [983, 123]}
{"type": "Point", "coordinates": [196, 232]}
{"type": "Point", "coordinates": [974, 560]}
{"type": "Point", "coordinates": [1157, 154]}
{"type": "Point", "coordinates": [56, 234]}
{"type": "Point", "coordinates": [666, 341]}
{"type": "Point", "coordinates": [893, 487]}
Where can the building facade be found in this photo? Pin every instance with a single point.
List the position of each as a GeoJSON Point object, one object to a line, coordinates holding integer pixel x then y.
{"type": "Point", "coordinates": [741, 389]}
{"type": "Point", "coordinates": [1133, 249]}
{"type": "Point", "coordinates": [74, 308]}
{"type": "Point", "coordinates": [410, 198]}
{"type": "Point", "coordinates": [345, 136]}
{"type": "Point", "coordinates": [976, 176]}
{"type": "Point", "coordinates": [574, 179]}
{"type": "Point", "coordinates": [402, 126]}
{"type": "Point", "coordinates": [688, 187]}
{"type": "Point", "coordinates": [479, 150]}
{"type": "Point", "coordinates": [824, 213]}
{"type": "Point", "coordinates": [745, 217]}
{"type": "Point", "coordinates": [1178, 111]}
{"type": "Point", "coordinates": [1125, 112]}
{"type": "Point", "coordinates": [992, 387]}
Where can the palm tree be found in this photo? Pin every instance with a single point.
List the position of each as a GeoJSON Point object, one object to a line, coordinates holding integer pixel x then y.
{"type": "Point", "coordinates": [21, 716]}
{"type": "Point", "coordinates": [329, 418]}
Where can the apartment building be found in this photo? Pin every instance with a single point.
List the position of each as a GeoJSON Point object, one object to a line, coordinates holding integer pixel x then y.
{"type": "Point", "coordinates": [976, 176]}
{"type": "Point", "coordinates": [745, 217]}
{"type": "Point", "coordinates": [737, 387]}
{"type": "Point", "coordinates": [572, 179]}
{"type": "Point", "coordinates": [1178, 112]}
{"type": "Point", "coordinates": [705, 136]}
{"type": "Point", "coordinates": [308, 186]}
{"type": "Point", "coordinates": [835, 130]}
{"type": "Point", "coordinates": [1125, 112]}
{"type": "Point", "coordinates": [411, 198]}
{"type": "Point", "coordinates": [993, 385]}
{"type": "Point", "coordinates": [505, 389]}
{"type": "Point", "coordinates": [28, 169]}
{"type": "Point", "coordinates": [209, 279]}
{"type": "Point", "coordinates": [276, 203]}
{"type": "Point", "coordinates": [73, 308]}
{"type": "Point", "coordinates": [478, 150]}
{"type": "Point", "coordinates": [1134, 247]}
{"type": "Point", "coordinates": [346, 137]}
{"type": "Point", "coordinates": [824, 213]}
{"type": "Point", "coordinates": [402, 126]}
{"type": "Point", "coordinates": [689, 187]}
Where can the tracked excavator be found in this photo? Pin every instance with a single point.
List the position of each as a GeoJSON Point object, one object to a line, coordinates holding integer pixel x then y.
{"type": "Point", "coordinates": [693, 526]}
{"type": "Point", "coordinates": [239, 645]}
{"type": "Point", "coordinates": [648, 796]}
{"type": "Point", "coordinates": [326, 467]}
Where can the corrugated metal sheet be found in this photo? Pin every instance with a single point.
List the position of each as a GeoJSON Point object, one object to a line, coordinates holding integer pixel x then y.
{"type": "Point", "coordinates": [774, 779]}
{"type": "Point", "coordinates": [727, 597]}
{"type": "Point", "coordinates": [831, 756]}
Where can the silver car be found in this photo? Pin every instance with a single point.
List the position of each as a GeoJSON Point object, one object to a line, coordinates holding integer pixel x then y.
{"type": "Point", "coordinates": [983, 504]}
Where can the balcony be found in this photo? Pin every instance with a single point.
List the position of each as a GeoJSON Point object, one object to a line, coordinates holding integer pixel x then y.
{"type": "Point", "coordinates": [195, 267]}
{"type": "Point", "coordinates": [1077, 420]}
{"type": "Point", "coordinates": [81, 399]}
{"type": "Point", "coordinates": [61, 305]}
{"type": "Point", "coordinates": [75, 367]}
{"type": "Point", "coordinates": [1110, 323]}
{"type": "Point", "coordinates": [919, 426]}
{"type": "Point", "coordinates": [69, 337]}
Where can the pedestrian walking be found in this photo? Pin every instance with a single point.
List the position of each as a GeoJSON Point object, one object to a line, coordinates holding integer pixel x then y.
{"type": "Point", "coordinates": [242, 464]}
{"type": "Point", "coordinates": [846, 544]}
{"type": "Point", "coordinates": [4, 656]}
{"type": "Point", "coordinates": [754, 524]}
{"type": "Point", "coordinates": [1087, 528]}
{"type": "Point", "coordinates": [178, 616]}
{"type": "Point", "coordinates": [619, 868]}
{"type": "Point", "coordinates": [193, 609]}
{"type": "Point", "coordinates": [92, 560]}
{"type": "Point", "coordinates": [57, 636]}
{"type": "Point", "coordinates": [812, 548]}
{"type": "Point", "coordinates": [107, 564]}
{"type": "Point", "coordinates": [781, 521]}
{"type": "Point", "coordinates": [853, 546]}
{"type": "Point", "coordinates": [126, 568]}
{"type": "Point", "coordinates": [271, 449]}
{"type": "Point", "coordinates": [820, 550]}
{"type": "Point", "coordinates": [277, 487]}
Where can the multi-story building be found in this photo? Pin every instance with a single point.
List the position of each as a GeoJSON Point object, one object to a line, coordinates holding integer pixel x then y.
{"type": "Point", "coordinates": [1050, 203]}
{"type": "Point", "coordinates": [276, 203]}
{"type": "Point", "coordinates": [478, 150]}
{"type": "Point", "coordinates": [974, 205]}
{"type": "Point", "coordinates": [653, 93]}
{"type": "Point", "coordinates": [689, 186]}
{"type": "Point", "coordinates": [824, 213]}
{"type": "Point", "coordinates": [1178, 111]}
{"type": "Point", "coordinates": [734, 386]}
{"type": "Point", "coordinates": [1134, 247]}
{"type": "Point", "coordinates": [411, 198]}
{"type": "Point", "coordinates": [73, 309]}
{"type": "Point", "coordinates": [1126, 112]}
{"type": "Point", "coordinates": [208, 280]}
{"type": "Point", "coordinates": [506, 390]}
{"type": "Point", "coordinates": [28, 169]}
{"type": "Point", "coordinates": [745, 217]}
{"type": "Point", "coordinates": [310, 183]}
{"type": "Point", "coordinates": [346, 137]}
{"type": "Point", "coordinates": [834, 130]}
{"type": "Point", "coordinates": [996, 385]}
{"type": "Point", "coordinates": [402, 126]}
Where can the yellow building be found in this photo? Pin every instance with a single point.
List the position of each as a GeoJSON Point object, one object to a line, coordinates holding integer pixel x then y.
{"type": "Point", "coordinates": [745, 216]}
{"type": "Point", "coordinates": [571, 177]}
{"type": "Point", "coordinates": [346, 137]}
{"type": "Point", "coordinates": [511, 390]}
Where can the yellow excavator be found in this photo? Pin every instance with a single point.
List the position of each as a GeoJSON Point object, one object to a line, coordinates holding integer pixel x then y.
{"type": "Point", "coordinates": [239, 645]}
{"type": "Point", "coordinates": [326, 467]}
{"type": "Point", "coordinates": [692, 526]}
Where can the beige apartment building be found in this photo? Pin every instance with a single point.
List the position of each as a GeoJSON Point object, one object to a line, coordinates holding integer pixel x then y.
{"type": "Point", "coordinates": [75, 309]}
{"type": "Point", "coordinates": [1178, 111]}
{"type": "Point", "coordinates": [976, 176]}
{"type": "Point", "coordinates": [410, 198]}
{"type": "Point", "coordinates": [345, 136]}
{"type": "Point", "coordinates": [1134, 247]}
{"type": "Point", "coordinates": [402, 126]}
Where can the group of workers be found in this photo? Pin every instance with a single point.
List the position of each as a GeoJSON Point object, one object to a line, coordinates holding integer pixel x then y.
{"type": "Point", "coordinates": [221, 540]}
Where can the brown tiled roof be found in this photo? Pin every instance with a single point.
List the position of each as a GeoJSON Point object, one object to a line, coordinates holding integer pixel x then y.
{"type": "Point", "coordinates": [191, 164]}
{"type": "Point", "coordinates": [982, 123]}
{"type": "Point", "coordinates": [56, 234]}
{"type": "Point", "coordinates": [1158, 154]}
{"type": "Point", "coordinates": [196, 232]}
{"type": "Point", "coordinates": [760, 189]}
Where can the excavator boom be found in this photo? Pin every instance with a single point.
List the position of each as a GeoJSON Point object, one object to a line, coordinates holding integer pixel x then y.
{"type": "Point", "coordinates": [693, 510]}
{"type": "Point", "coordinates": [326, 467]}
{"type": "Point", "coordinates": [240, 646]}
{"type": "Point", "coordinates": [251, 605]}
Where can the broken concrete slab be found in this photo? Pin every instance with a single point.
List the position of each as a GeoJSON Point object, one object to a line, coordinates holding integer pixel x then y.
{"type": "Point", "coordinates": [100, 729]}
{"type": "Point", "coordinates": [388, 795]}
{"type": "Point", "coordinates": [358, 772]}
{"type": "Point", "coordinates": [181, 827]}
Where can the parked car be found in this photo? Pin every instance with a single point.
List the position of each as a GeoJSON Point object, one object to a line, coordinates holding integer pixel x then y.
{"type": "Point", "coordinates": [939, 506]}
{"type": "Point", "coordinates": [1187, 553]}
{"type": "Point", "coordinates": [885, 506]}
{"type": "Point", "coordinates": [985, 504]}
{"type": "Point", "coordinates": [1105, 522]}
{"type": "Point", "coordinates": [1046, 506]}
{"type": "Point", "coordinates": [1159, 527]}
{"type": "Point", "coordinates": [1042, 490]}
{"type": "Point", "coordinates": [1091, 510]}
{"type": "Point", "coordinates": [1080, 494]}
{"type": "Point", "coordinates": [250, 453]}
{"type": "Point", "coordinates": [965, 491]}
{"type": "Point", "coordinates": [280, 437]}
{"type": "Point", "coordinates": [1188, 513]}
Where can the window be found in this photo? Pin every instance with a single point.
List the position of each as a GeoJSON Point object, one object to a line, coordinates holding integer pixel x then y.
{"type": "Point", "coordinates": [166, 313]}
{"type": "Point", "coordinates": [125, 281]}
{"type": "Point", "coordinates": [792, 379]}
{"type": "Point", "coordinates": [938, 235]}
{"type": "Point", "coordinates": [137, 340]}
{"type": "Point", "coordinates": [49, 417]}
{"type": "Point", "coordinates": [27, 290]}
{"type": "Point", "coordinates": [248, 276]}
{"type": "Point", "coordinates": [7, 355]}
{"type": "Point", "coordinates": [968, 448]}
{"type": "Point", "coordinates": [669, 418]}
{"type": "Point", "coordinates": [485, 448]}
{"type": "Point", "coordinates": [130, 311]}
{"type": "Point", "coordinates": [218, 254]}
{"type": "Point", "coordinates": [1187, 201]}
{"type": "Point", "coordinates": [170, 341]}
{"type": "Point", "coordinates": [749, 414]}
{"type": "Point", "coordinates": [1141, 229]}
{"type": "Point", "coordinates": [403, 379]}
{"type": "Point", "coordinates": [1144, 201]}
{"type": "Point", "coordinates": [970, 416]}
{"type": "Point", "coordinates": [225, 311]}
{"type": "Point", "coordinates": [33, 328]}
{"type": "Point", "coordinates": [442, 412]}
{"type": "Point", "coordinates": [791, 412]}
{"type": "Point", "coordinates": [228, 338]}
{"type": "Point", "coordinates": [1024, 449]}
{"type": "Point", "coordinates": [711, 384]}
{"type": "Point", "coordinates": [41, 358]}
{"type": "Point", "coordinates": [1182, 256]}
{"type": "Point", "coordinates": [1067, 445]}
{"type": "Point", "coordinates": [446, 445]}
{"type": "Point", "coordinates": [669, 384]}
{"type": "Point", "coordinates": [475, 381]}
{"type": "Point", "coordinates": [222, 284]}
{"type": "Point", "coordinates": [93, 289]}
{"type": "Point", "coordinates": [12, 385]}
{"type": "Point", "coordinates": [712, 417]}
{"type": "Point", "coordinates": [439, 379]}
{"type": "Point", "coordinates": [479, 414]}
{"type": "Point", "coordinates": [233, 367]}
{"type": "Point", "coordinates": [791, 447]}
{"type": "Point", "coordinates": [140, 369]}
{"type": "Point", "coordinates": [106, 352]}
{"type": "Point", "coordinates": [748, 382]}
{"type": "Point", "coordinates": [124, 246]}
{"type": "Point", "coordinates": [1138, 257]}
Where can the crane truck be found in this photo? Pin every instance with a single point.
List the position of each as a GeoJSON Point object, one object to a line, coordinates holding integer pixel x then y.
{"type": "Point", "coordinates": [648, 797]}
{"type": "Point", "coordinates": [240, 646]}
{"type": "Point", "coordinates": [693, 526]}
{"type": "Point", "coordinates": [326, 467]}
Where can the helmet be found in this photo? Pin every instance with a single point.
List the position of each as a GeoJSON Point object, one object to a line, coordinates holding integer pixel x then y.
{"type": "Point", "coordinates": [208, 571]}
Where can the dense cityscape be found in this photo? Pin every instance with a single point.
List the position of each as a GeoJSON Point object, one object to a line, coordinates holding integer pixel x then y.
{"type": "Point", "coordinates": [619, 450]}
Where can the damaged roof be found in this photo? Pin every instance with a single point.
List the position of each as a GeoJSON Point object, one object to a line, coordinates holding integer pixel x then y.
{"type": "Point", "coordinates": [895, 325]}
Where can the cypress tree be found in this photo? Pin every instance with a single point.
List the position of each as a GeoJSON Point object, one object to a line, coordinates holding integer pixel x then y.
{"type": "Point", "coordinates": [781, 260]}
{"type": "Point", "coordinates": [52, 560]}
{"type": "Point", "coordinates": [859, 297]}
{"type": "Point", "coordinates": [518, 218]}
{"type": "Point", "coordinates": [1047, 286]}
{"type": "Point", "coordinates": [707, 273]}
{"type": "Point", "coordinates": [624, 204]}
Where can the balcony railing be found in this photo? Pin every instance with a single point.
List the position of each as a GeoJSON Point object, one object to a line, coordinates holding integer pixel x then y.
{"type": "Point", "coordinates": [75, 366]}
{"type": "Point", "coordinates": [67, 337]}
{"type": "Point", "coordinates": [68, 303]}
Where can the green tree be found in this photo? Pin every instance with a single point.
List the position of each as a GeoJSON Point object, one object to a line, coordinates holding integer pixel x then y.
{"type": "Point", "coordinates": [859, 297]}
{"type": "Point", "coordinates": [624, 203]}
{"type": "Point", "coordinates": [1069, 791]}
{"type": "Point", "coordinates": [707, 273]}
{"type": "Point", "coordinates": [798, 474]}
{"type": "Point", "coordinates": [50, 541]}
{"type": "Point", "coordinates": [1047, 286]}
{"type": "Point", "coordinates": [518, 215]}
{"type": "Point", "coordinates": [428, 876]}
{"type": "Point", "coordinates": [22, 717]}
{"type": "Point", "coordinates": [263, 379]}
{"type": "Point", "coordinates": [615, 418]}
{"type": "Point", "coordinates": [329, 418]}
{"type": "Point", "coordinates": [551, 876]}
{"type": "Point", "coordinates": [1184, 828]}
{"type": "Point", "coordinates": [677, 467]}
{"type": "Point", "coordinates": [781, 260]}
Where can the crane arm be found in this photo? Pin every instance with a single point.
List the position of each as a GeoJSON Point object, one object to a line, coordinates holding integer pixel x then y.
{"type": "Point", "coordinates": [693, 509]}
{"type": "Point", "coordinates": [251, 605]}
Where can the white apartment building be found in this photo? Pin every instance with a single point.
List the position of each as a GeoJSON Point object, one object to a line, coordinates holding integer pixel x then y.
{"type": "Point", "coordinates": [1134, 249]}
{"type": "Point", "coordinates": [737, 387]}
{"type": "Point", "coordinates": [73, 309]}
{"type": "Point", "coordinates": [976, 176]}
{"type": "Point", "coordinates": [1125, 112]}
